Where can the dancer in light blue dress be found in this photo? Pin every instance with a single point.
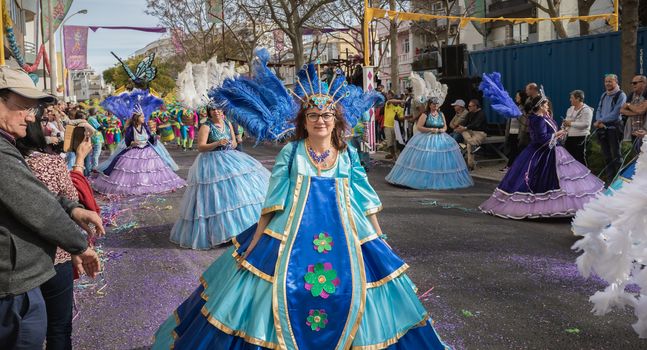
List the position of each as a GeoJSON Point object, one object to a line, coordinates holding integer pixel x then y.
{"type": "Point", "coordinates": [315, 272]}
{"type": "Point", "coordinates": [431, 160]}
{"type": "Point", "coordinates": [226, 189]}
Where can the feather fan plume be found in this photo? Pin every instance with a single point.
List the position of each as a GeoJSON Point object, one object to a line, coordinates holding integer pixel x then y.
{"type": "Point", "coordinates": [614, 245]}
{"type": "Point", "coordinates": [125, 104]}
{"type": "Point", "coordinates": [195, 81]}
{"type": "Point", "coordinates": [427, 87]}
{"type": "Point", "coordinates": [500, 100]}
{"type": "Point", "coordinates": [262, 104]}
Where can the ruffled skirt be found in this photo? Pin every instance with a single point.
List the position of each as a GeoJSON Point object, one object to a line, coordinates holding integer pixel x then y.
{"type": "Point", "coordinates": [138, 171]}
{"type": "Point", "coordinates": [226, 190]}
{"type": "Point", "coordinates": [232, 308]}
{"type": "Point", "coordinates": [431, 162]}
{"type": "Point", "coordinates": [576, 186]}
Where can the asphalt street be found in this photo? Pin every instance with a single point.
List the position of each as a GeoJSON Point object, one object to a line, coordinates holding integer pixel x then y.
{"type": "Point", "coordinates": [489, 283]}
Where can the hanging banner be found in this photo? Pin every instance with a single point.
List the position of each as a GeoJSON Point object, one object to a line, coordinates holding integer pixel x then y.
{"type": "Point", "coordinates": [215, 12]}
{"type": "Point", "coordinates": [59, 11]}
{"type": "Point", "coordinates": [75, 39]}
{"type": "Point", "coordinates": [141, 29]}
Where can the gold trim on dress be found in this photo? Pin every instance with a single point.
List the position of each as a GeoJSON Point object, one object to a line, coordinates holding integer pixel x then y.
{"type": "Point", "coordinates": [286, 232]}
{"type": "Point", "coordinates": [271, 209]}
{"type": "Point", "coordinates": [388, 278]}
{"type": "Point", "coordinates": [237, 333]}
{"type": "Point", "coordinates": [369, 238]}
{"type": "Point", "coordinates": [360, 258]}
{"type": "Point", "coordinates": [372, 211]}
{"type": "Point", "coordinates": [274, 234]}
{"type": "Point", "coordinates": [249, 267]}
{"type": "Point", "coordinates": [391, 341]}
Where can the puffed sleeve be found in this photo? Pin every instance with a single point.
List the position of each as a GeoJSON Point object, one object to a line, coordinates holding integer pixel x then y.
{"type": "Point", "coordinates": [277, 192]}
{"type": "Point", "coordinates": [363, 193]}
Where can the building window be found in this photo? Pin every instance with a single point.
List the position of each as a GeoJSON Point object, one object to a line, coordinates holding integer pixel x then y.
{"type": "Point", "coordinates": [406, 46]}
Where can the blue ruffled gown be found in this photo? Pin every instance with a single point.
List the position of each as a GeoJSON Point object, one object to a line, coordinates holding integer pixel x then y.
{"type": "Point", "coordinates": [319, 278]}
{"type": "Point", "coordinates": [226, 190]}
{"type": "Point", "coordinates": [431, 161]}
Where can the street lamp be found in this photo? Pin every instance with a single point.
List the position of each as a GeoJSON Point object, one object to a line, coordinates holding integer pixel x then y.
{"type": "Point", "coordinates": [60, 34]}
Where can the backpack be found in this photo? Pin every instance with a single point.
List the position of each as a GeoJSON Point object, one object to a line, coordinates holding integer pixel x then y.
{"type": "Point", "coordinates": [614, 100]}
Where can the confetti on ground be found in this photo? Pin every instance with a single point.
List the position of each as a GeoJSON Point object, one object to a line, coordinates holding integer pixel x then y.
{"type": "Point", "coordinates": [435, 203]}
{"type": "Point", "coordinates": [573, 330]}
{"type": "Point", "coordinates": [467, 313]}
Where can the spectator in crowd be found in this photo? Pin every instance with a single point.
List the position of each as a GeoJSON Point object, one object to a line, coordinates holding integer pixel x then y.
{"type": "Point", "coordinates": [57, 292]}
{"type": "Point", "coordinates": [532, 91]}
{"type": "Point", "coordinates": [634, 111]}
{"type": "Point", "coordinates": [516, 132]}
{"type": "Point", "coordinates": [578, 125]}
{"type": "Point", "coordinates": [96, 139]}
{"type": "Point", "coordinates": [409, 115]}
{"type": "Point", "coordinates": [358, 76]}
{"type": "Point", "coordinates": [609, 124]}
{"type": "Point", "coordinates": [29, 235]}
{"type": "Point", "coordinates": [473, 132]}
{"type": "Point", "coordinates": [392, 109]}
{"type": "Point", "coordinates": [459, 118]}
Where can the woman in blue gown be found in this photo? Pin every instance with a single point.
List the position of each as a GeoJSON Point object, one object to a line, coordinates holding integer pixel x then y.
{"type": "Point", "coordinates": [226, 189]}
{"type": "Point", "coordinates": [315, 272]}
{"type": "Point", "coordinates": [431, 160]}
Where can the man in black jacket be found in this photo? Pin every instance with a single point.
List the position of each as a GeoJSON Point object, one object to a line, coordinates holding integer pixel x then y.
{"type": "Point", "coordinates": [32, 222]}
{"type": "Point", "coordinates": [473, 130]}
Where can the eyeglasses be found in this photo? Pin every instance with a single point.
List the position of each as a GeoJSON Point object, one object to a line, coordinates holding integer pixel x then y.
{"type": "Point", "coordinates": [327, 117]}
{"type": "Point", "coordinates": [636, 82]}
{"type": "Point", "coordinates": [33, 111]}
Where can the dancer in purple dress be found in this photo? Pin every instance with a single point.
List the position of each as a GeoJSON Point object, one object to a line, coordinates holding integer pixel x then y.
{"type": "Point", "coordinates": [138, 169]}
{"type": "Point", "coordinates": [545, 180]}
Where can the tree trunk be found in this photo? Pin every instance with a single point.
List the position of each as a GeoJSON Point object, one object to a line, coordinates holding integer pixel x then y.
{"type": "Point", "coordinates": [393, 34]}
{"type": "Point", "coordinates": [629, 38]}
{"type": "Point", "coordinates": [297, 48]}
{"type": "Point", "coordinates": [583, 8]}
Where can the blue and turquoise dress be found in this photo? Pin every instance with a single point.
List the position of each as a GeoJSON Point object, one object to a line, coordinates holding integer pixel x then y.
{"type": "Point", "coordinates": [225, 194]}
{"type": "Point", "coordinates": [625, 176]}
{"type": "Point", "coordinates": [431, 161]}
{"type": "Point", "coordinates": [320, 277]}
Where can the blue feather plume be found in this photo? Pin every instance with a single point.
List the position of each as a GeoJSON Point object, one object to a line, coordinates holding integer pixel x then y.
{"type": "Point", "coordinates": [124, 105]}
{"type": "Point", "coordinates": [357, 102]}
{"type": "Point", "coordinates": [500, 100]}
{"type": "Point", "coordinates": [309, 80]}
{"type": "Point", "coordinates": [262, 105]}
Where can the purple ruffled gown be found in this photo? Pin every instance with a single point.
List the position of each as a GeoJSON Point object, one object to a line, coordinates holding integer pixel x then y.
{"type": "Point", "coordinates": [139, 169]}
{"type": "Point", "coordinates": [543, 181]}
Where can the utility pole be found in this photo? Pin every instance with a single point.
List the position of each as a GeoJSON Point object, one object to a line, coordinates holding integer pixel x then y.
{"type": "Point", "coordinates": [393, 38]}
{"type": "Point", "coordinates": [52, 50]}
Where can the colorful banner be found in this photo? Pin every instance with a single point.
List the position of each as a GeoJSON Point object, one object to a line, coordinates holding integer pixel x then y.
{"type": "Point", "coordinates": [75, 39]}
{"type": "Point", "coordinates": [215, 12]}
{"type": "Point", "coordinates": [59, 11]}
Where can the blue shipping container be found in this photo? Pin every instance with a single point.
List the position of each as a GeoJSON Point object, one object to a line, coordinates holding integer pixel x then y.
{"type": "Point", "coordinates": [561, 66]}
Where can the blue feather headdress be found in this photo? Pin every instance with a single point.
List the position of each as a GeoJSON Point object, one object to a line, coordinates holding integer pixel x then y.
{"type": "Point", "coordinates": [500, 101]}
{"type": "Point", "coordinates": [262, 105]}
{"type": "Point", "coordinates": [312, 92]}
{"type": "Point", "coordinates": [128, 103]}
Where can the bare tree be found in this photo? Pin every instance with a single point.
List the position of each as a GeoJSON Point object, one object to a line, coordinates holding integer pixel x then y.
{"type": "Point", "coordinates": [292, 16]}
{"type": "Point", "coordinates": [583, 8]}
{"type": "Point", "coordinates": [552, 9]}
{"type": "Point", "coordinates": [248, 25]}
{"type": "Point", "coordinates": [629, 38]}
{"type": "Point", "coordinates": [188, 17]}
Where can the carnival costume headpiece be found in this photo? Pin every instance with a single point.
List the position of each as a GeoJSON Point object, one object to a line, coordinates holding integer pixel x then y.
{"type": "Point", "coordinates": [500, 100]}
{"type": "Point", "coordinates": [137, 101]}
{"type": "Point", "coordinates": [195, 81]}
{"type": "Point", "coordinates": [427, 87]}
{"type": "Point", "coordinates": [265, 108]}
